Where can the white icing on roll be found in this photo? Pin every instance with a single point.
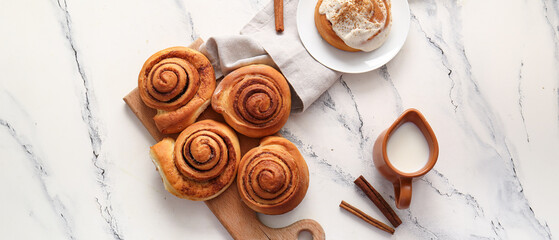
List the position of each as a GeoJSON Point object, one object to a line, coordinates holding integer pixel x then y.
{"type": "Point", "coordinates": [353, 22]}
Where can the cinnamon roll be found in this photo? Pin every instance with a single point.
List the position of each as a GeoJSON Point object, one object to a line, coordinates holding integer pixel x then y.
{"type": "Point", "coordinates": [179, 83]}
{"type": "Point", "coordinates": [201, 164]}
{"type": "Point", "coordinates": [273, 178]}
{"type": "Point", "coordinates": [353, 25]}
{"type": "Point", "coordinates": [255, 100]}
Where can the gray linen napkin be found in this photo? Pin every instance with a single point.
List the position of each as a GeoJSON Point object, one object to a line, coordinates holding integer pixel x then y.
{"type": "Point", "coordinates": [259, 43]}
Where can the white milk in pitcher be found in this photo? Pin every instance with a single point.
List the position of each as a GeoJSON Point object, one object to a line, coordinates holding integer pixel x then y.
{"type": "Point", "coordinates": [407, 149]}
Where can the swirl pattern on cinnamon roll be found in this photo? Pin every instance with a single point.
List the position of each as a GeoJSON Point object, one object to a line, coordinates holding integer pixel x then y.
{"type": "Point", "coordinates": [354, 25]}
{"type": "Point", "coordinates": [273, 178]}
{"type": "Point", "coordinates": [255, 100]}
{"type": "Point", "coordinates": [179, 83]}
{"type": "Point", "coordinates": [201, 164]}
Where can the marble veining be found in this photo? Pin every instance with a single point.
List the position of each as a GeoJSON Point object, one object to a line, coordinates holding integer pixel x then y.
{"type": "Point", "coordinates": [521, 99]}
{"type": "Point", "coordinates": [40, 168]}
{"type": "Point", "coordinates": [188, 20]}
{"type": "Point", "coordinates": [441, 185]}
{"type": "Point", "coordinates": [386, 76]}
{"type": "Point", "coordinates": [551, 13]}
{"type": "Point", "coordinates": [436, 45]}
{"type": "Point", "coordinates": [89, 116]}
{"type": "Point", "coordinates": [358, 122]}
{"type": "Point", "coordinates": [75, 161]}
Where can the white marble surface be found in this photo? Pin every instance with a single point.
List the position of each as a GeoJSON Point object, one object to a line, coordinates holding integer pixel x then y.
{"type": "Point", "coordinates": [75, 165]}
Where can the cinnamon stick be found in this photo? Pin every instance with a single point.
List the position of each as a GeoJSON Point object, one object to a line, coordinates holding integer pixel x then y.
{"type": "Point", "coordinates": [378, 224]}
{"type": "Point", "coordinates": [278, 13]}
{"type": "Point", "coordinates": [378, 200]}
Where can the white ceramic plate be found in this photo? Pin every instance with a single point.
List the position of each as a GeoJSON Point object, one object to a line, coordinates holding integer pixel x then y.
{"type": "Point", "coordinates": [352, 62]}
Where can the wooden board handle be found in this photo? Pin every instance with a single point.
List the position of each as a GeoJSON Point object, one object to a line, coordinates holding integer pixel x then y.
{"type": "Point", "coordinates": [243, 223]}
{"type": "Point", "coordinates": [292, 231]}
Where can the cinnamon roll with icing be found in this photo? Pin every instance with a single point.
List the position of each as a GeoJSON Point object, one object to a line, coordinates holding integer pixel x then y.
{"type": "Point", "coordinates": [201, 164]}
{"type": "Point", "coordinates": [354, 25]}
{"type": "Point", "coordinates": [179, 83]}
{"type": "Point", "coordinates": [255, 100]}
{"type": "Point", "coordinates": [273, 178]}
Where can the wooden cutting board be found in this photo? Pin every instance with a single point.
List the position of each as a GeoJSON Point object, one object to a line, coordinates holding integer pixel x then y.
{"type": "Point", "coordinates": [239, 220]}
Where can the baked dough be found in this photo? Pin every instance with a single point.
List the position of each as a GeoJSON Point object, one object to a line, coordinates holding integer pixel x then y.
{"type": "Point", "coordinates": [255, 100]}
{"type": "Point", "coordinates": [355, 25]}
{"type": "Point", "coordinates": [273, 178]}
{"type": "Point", "coordinates": [201, 164]}
{"type": "Point", "coordinates": [179, 83]}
